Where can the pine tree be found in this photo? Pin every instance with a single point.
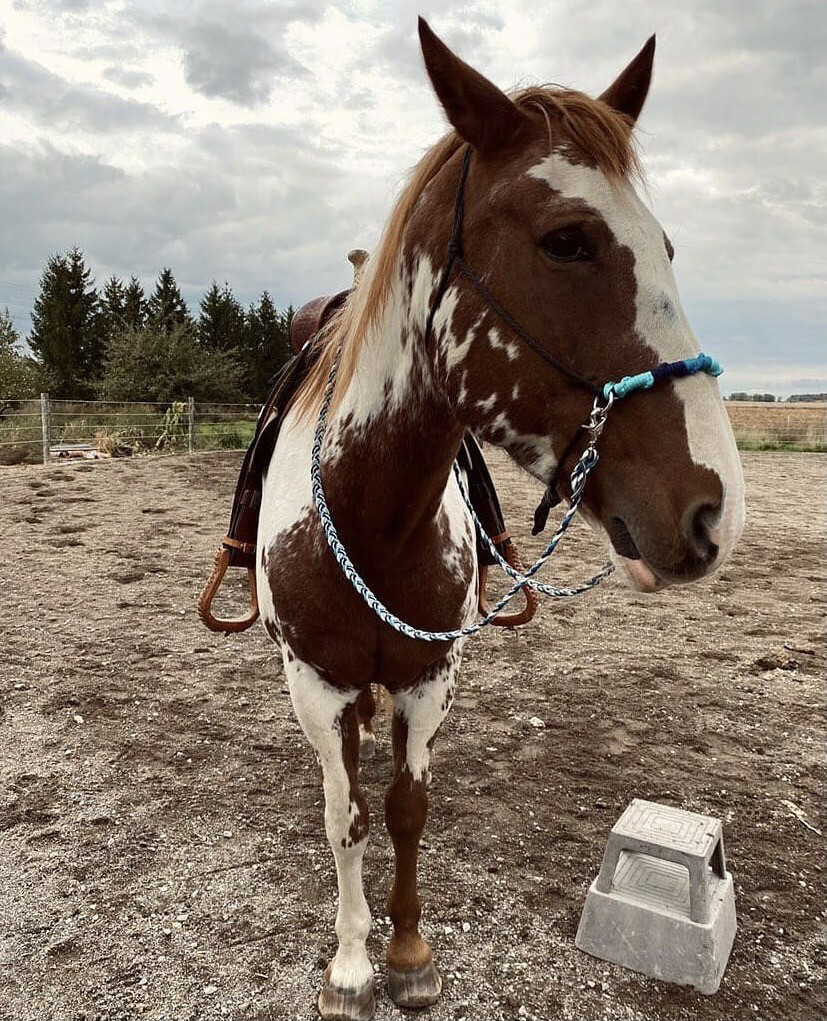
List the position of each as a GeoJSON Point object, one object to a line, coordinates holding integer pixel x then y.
{"type": "Point", "coordinates": [113, 306]}
{"type": "Point", "coordinates": [266, 347]}
{"type": "Point", "coordinates": [134, 305]}
{"type": "Point", "coordinates": [18, 372]}
{"type": "Point", "coordinates": [166, 309]}
{"type": "Point", "coordinates": [9, 337]}
{"type": "Point", "coordinates": [221, 325]}
{"type": "Point", "coordinates": [67, 329]}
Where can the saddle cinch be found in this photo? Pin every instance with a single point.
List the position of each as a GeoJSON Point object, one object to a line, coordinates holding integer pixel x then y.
{"type": "Point", "coordinates": [238, 548]}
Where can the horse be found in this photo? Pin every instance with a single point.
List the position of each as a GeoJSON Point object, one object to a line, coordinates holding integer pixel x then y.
{"type": "Point", "coordinates": [518, 271]}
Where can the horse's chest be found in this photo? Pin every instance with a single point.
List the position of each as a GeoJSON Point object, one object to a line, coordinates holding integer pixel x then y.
{"type": "Point", "coordinates": [428, 581]}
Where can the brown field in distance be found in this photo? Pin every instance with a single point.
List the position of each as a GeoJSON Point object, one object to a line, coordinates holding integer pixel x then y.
{"type": "Point", "coordinates": [761, 426]}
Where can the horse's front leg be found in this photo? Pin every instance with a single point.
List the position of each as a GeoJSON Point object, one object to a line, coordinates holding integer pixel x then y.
{"type": "Point", "coordinates": [330, 719]}
{"type": "Point", "coordinates": [413, 980]}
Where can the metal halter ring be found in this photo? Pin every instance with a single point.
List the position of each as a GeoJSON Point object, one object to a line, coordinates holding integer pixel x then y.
{"type": "Point", "coordinates": [598, 416]}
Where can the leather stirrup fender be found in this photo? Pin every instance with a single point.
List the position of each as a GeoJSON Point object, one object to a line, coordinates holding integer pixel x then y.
{"type": "Point", "coordinates": [532, 600]}
{"type": "Point", "coordinates": [208, 593]}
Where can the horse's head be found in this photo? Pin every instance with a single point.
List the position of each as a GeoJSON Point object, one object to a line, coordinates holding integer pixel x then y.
{"type": "Point", "coordinates": [555, 230]}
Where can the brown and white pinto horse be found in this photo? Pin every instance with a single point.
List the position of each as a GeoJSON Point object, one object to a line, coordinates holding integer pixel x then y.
{"type": "Point", "coordinates": [555, 229]}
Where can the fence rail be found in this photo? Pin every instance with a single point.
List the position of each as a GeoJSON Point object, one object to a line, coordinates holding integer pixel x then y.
{"type": "Point", "coordinates": [35, 430]}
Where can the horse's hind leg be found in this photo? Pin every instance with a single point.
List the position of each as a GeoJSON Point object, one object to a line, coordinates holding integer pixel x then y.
{"type": "Point", "coordinates": [413, 980]}
{"type": "Point", "coordinates": [330, 720]}
{"type": "Point", "coordinates": [366, 707]}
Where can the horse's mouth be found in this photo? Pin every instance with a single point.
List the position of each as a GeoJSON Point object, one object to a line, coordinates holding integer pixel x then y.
{"type": "Point", "coordinates": [642, 577]}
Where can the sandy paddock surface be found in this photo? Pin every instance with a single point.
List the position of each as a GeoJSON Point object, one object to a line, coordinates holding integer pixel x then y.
{"type": "Point", "coordinates": [162, 853]}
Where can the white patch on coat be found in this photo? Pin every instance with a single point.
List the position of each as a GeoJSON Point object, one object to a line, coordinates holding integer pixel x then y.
{"type": "Point", "coordinates": [424, 707]}
{"type": "Point", "coordinates": [662, 323]}
{"type": "Point", "coordinates": [455, 348]}
{"type": "Point", "coordinates": [460, 529]}
{"type": "Point", "coordinates": [511, 349]}
{"type": "Point", "coordinates": [544, 461]}
{"type": "Point", "coordinates": [319, 707]}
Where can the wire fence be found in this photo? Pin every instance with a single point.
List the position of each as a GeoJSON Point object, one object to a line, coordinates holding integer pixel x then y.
{"type": "Point", "coordinates": [45, 429]}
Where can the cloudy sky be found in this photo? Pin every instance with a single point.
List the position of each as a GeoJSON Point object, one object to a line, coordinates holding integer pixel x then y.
{"type": "Point", "coordinates": [257, 142]}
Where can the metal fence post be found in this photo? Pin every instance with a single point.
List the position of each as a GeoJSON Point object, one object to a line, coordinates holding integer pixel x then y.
{"type": "Point", "coordinates": [45, 422]}
{"type": "Point", "coordinates": [190, 422]}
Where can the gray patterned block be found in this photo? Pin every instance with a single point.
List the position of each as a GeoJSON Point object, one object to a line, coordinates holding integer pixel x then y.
{"type": "Point", "coordinates": [663, 903]}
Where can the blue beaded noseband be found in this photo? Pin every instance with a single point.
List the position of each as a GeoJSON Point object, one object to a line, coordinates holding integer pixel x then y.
{"type": "Point", "coordinates": [604, 398]}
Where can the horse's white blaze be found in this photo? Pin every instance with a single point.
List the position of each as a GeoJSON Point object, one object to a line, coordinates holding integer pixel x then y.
{"type": "Point", "coordinates": [661, 322]}
{"type": "Point", "coordinates": [318, 707]}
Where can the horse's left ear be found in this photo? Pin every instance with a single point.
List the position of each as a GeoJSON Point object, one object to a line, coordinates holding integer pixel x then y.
{"type": "Point", "coordinates": [482, 114]}
{"type": "Point", "coordinates": [628, 92]}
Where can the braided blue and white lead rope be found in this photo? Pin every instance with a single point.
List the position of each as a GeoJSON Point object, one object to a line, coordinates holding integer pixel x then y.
{"type": "Point", "coordinates": [538, 586]}
{"type": "Point", "coordinates": [585, 464]}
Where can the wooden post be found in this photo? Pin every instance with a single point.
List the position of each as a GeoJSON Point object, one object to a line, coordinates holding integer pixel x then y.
{"type": "Point", "coordinates": [45, 422]}
{"type": "Point", "coordinates": [190, 422]}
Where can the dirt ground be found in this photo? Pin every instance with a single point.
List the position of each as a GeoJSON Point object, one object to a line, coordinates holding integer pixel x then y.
{"type": "Point", "coordinates": [162, 853]}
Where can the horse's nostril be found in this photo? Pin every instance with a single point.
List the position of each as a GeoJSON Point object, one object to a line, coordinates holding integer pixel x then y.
{"type": "Point", "coordinates": [699, 524]}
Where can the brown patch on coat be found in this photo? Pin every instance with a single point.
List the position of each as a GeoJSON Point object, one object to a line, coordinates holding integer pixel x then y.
{"type": "Point", "coordinates": [406, 809]}
{"type": "Point", "coordinates": [349, 725]}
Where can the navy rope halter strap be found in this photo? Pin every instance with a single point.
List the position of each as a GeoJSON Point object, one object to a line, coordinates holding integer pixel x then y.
{"type": "Point", "coordinates": [604, 398]}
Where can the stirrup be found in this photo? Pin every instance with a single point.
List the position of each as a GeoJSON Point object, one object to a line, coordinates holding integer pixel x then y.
{"type": "Point", "coordinates": [236, 624]}
{"type": "Point", "coordinates": [532, 600]}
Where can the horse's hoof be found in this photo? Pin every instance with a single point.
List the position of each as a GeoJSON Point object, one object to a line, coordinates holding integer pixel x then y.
{"type": "Point", "coordinates": [415, 989]}
{"type": "Point", "coordinates": [337, 1004]}
{"type": "Point", "coordinates": [367, 745]}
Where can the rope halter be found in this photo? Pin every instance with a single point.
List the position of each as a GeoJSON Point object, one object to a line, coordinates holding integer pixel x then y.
{"type": "Point", "coordinates": [605, 397]}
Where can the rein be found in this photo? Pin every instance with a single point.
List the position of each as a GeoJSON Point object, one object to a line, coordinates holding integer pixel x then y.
{"type": "Point", "coordinates": [604, 398]}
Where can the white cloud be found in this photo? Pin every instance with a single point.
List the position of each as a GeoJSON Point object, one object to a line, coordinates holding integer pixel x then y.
{"type": "Point", "coordinates": [257, 142]}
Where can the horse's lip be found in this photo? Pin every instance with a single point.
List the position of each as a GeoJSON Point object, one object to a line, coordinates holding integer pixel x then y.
{"type": "Point", "coordinates": [637, 570]}
{"type": "Point", "coordinates": [641, 574]}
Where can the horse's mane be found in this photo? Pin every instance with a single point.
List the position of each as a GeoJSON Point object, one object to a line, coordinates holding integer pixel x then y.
{"type": "Point", "coordinates": [581, 124]}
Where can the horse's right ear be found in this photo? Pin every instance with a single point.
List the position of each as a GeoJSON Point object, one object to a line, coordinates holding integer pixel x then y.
{"type": "Point", "coordinates": [483, 115]}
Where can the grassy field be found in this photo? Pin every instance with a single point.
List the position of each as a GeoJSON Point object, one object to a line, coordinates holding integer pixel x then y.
{"type": "Point", "coordinates": [122, 430]}
{"type": "Point", "coordinates": [142, 429]}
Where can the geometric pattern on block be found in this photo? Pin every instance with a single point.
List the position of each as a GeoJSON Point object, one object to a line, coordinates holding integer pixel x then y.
{"type": "Point", "coordinates": [670, 827]}
{"type": "Point", "coordinates": [649, 880]}
{"type": "Point", "coordinates": [663, 902]}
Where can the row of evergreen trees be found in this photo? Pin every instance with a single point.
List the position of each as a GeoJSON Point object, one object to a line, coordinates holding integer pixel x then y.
{"type": "Point", "coordinates": [120, 344]}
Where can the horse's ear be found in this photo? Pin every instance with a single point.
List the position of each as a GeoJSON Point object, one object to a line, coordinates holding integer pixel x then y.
{"type": "Point", "coordinates": [483, 115]}
{"type": "Point", "coordinates": [628, 92]}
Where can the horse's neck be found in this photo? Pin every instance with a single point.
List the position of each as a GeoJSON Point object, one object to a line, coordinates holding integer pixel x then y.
{"type": "Point", "coordinates": [394, 436]}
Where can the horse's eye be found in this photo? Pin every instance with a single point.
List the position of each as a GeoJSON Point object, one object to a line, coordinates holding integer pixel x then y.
{"type": "Point", "coordinates": [670, 251]}
{"type": "Point", "coordinates": [567, 245]}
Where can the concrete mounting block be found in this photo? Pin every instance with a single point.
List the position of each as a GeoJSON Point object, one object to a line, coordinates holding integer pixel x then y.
{"type": "Point", "coordinates": [663, 902]}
